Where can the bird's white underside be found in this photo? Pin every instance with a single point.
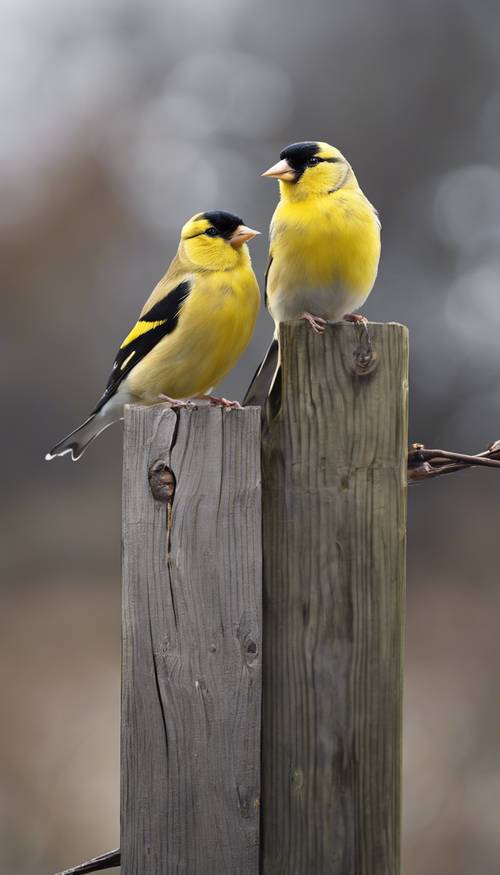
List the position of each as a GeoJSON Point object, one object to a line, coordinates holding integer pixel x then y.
{"type": "Point", "coordinates": [329, 303]}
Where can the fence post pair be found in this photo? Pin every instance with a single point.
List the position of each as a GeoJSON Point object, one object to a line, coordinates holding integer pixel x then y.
{"type": "Point", "coordinates": [263, 620]}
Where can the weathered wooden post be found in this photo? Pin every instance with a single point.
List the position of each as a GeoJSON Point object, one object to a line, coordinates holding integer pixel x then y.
{"type": "Point", "coordinates": [334, 517]}
{"type": "Point", "coordinates": [191, 642]}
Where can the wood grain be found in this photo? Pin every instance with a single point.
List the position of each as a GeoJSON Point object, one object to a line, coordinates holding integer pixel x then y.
{"type": "Point", "coordinates": [334, 521]}
{"type": "Point", "coordinates": [191, 679]}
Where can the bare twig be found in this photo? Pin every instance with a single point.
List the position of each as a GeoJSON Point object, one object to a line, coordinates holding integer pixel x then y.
{"type": "Point", "coordinates": [105, 861]}
{"type": "Point", "coordinates": [424, 464]}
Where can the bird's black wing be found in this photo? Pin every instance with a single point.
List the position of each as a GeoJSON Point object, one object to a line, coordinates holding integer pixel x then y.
{"type": "Point", "coordinates": [265, 281]}
{"type": "Point", "coordinates": [150, 328]}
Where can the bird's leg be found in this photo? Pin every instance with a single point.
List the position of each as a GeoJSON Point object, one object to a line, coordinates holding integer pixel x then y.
{"type": "Point", "coordinates": [176, 403]}
{"type": "Point", "coordinates": [317, 323]}
{"type": "Point", "coordinates": [215, 401]}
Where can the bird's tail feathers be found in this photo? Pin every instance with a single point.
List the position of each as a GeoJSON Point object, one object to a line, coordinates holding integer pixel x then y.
{"type": "Point", "coordinates": [264, 377]}
{"type": "Point", "coordinates": [77, 441]}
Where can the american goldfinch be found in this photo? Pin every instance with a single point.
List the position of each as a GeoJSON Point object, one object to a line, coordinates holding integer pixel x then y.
{"type": "Point", "coordinates": [325, 245]}
{"type": "Point", "coordinates": [191, 330]}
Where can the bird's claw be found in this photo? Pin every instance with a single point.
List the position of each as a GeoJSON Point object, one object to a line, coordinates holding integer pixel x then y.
{"type": "Point", "coordinates": [215, 401]}
{"type": "Point", "coordinates": [362, 323]}
{"type": "Point", "coordinates": [317, 323]}
{"type": "Point", "coordinates": [357, 318]}
{"type": "Point", "coordinates": [177, 403]}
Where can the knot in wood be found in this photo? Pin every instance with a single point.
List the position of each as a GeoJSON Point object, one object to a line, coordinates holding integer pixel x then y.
{"type": "Point", "coordinates": [161, 481]}
{"type": "Point", "coordinates": [365, 360]}
{"type": "Point", "coordinates": [250, 651]}
{"type": "Point", "coordinates": [249, 641]}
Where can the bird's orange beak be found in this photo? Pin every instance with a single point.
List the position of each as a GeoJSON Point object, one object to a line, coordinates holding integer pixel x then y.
{"type": "Point", "coordinates": [241, 235]}
{"type": "Point", "coordinates": [281, 170]}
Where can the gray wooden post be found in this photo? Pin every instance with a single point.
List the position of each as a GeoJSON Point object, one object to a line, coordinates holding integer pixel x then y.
{"type": "Point", "coordinates": [334, 518]}
{"type": "Point", "coordinates": [191, 643]}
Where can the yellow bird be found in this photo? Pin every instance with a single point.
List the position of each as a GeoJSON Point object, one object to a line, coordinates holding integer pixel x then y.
{"type": "Point", "coordinates": [191, 331]}
{"type": "Point", "coordinates": [325, 246]}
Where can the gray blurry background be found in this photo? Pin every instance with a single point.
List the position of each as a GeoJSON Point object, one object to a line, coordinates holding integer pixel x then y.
{"type": "Point", "coordinates": [120, 119]}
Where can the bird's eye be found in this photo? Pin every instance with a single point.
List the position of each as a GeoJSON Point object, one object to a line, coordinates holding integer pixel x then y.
{"type": "Point", "coordinates": [312, 162]}
{"type": "Point", "coordinates": [212, 232]}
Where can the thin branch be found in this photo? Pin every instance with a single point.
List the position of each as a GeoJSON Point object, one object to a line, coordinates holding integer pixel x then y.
{"type": "Point", "coordinates": [105, 861]}
{"type": "Point", "coordinates": [424, 464]}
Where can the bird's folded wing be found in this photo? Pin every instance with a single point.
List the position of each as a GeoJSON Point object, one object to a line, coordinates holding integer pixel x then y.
{"type": "Point", "coordinates": [153, 324]}
{"type": "Point", "coordinates": [268, 268]}
{"type": "Point", "coordinates": [263, 379]}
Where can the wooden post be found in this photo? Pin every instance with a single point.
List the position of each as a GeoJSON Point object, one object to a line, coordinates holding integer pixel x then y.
{"type": "Point", "coordinates": [191, 642]}
{"type": "Point", "coordinates": [334, 516]}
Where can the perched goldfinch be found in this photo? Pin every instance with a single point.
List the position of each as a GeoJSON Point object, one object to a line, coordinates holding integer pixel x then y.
{"type": "Point", "coordinates": [325, 246]}
{"type": "Point", "coordinates": [191, 331]}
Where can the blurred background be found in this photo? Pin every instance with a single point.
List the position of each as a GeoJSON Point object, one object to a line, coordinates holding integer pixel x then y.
{"type": "Point", "coordinates": [120, 119]}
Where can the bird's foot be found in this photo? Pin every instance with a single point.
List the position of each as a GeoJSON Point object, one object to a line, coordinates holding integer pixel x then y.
{"type": "Point", "coordinates": [215, 401]}
{"type": "Point", "coordinates": [357, 318]}
{"type": "Point", "coordinates": [176, 403]}
{"type": "Point", "coordinates": [317, 323]}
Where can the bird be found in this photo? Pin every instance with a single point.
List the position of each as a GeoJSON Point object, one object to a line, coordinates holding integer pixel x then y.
{"type": "Point", "coordinates": [324, 247]}
{"type": "Point", "coordinates": [191, 331]}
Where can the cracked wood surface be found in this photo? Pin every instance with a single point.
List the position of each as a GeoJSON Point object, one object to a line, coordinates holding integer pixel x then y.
{"type": "Point", "coordinates": [191, 677]}
{"type": "Point", "coordinates": [334, 529]}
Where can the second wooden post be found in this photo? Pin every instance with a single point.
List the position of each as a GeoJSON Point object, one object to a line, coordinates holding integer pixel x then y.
{"type": "Point", "coordinates": [334, 517]}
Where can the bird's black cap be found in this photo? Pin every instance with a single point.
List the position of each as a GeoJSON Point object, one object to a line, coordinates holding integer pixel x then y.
{"type": "Point", "coordinates": [223, 222]}
{"type": "Point", "coordinates": [298, 154]}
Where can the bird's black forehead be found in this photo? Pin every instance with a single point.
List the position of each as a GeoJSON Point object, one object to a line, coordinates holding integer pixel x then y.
{"type": "Point", "coordinates": [225, 223]}
{"type": "Point", "coordinates": [299, 154]}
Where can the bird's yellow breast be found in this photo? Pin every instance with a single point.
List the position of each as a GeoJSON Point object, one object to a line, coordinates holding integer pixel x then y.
{"type": "Point", "coordinates": [215, 325]}
{"type": "Point", "coordinates": [332, 242]}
